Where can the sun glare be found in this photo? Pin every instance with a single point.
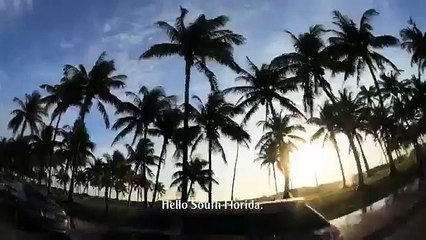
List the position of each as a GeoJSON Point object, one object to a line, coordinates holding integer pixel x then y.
{"type": "Point", "coordinates": [307, 163]}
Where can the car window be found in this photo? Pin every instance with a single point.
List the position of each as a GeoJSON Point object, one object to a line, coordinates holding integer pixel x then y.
{"type": "Point", "coordinates": [33, 194]}
{"type": "Point", "coordinates": [16, 189]}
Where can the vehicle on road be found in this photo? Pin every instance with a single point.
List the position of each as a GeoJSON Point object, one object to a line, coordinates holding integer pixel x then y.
{"type": "Point", "coordinates": [291, 219]}
{"type": "Point", "coordinates": [33, 210]}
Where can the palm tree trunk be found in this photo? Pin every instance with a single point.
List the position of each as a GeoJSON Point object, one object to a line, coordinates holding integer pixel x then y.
{"type": "Point", "coordinates": [190, 188]}
{"type": "Point", "coordinates": [144, 169]}
{"type": "Point", "coordinates": [157, 177]}
{"type": "Point", "coordinates": [383, 149]}
{"type": "Point", "coordinates": [367, 167]}
{"type": "Point", "coordinates": [392, 168]}
{"type": "Point", "coordinates": [275, 179]}
{"type": "Point", "coordinates": [357, 160]}
{"type": "Point", "coordinates": [116, 194]}
{"type": "Point", "coordinates": [138, 194]}
{"type": "Point", "coordinates": [235, 171]}
{"type": "Point", "coordinates": [23, 128]}
{"type": "Point", "coordinates": [73, 169]}
{"type": "Point", "coordinates": [285, 160]}
{"type": "Point", "coordinates": [211, 171]}
{"type": "Point", "coordinates": [188, 64]}
{"type": "Point", "coordinates": [106, 200]}
{"type": "Point", "coordinates": [336, 147]}
{"type": "Point", "coordinates": [51, 155]}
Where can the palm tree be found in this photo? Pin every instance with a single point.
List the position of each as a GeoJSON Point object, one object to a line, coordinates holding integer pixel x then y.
{"type": "Point", "coordinates": [96, 85]}
{"type": "Point", "coordinates": [278, 139]}
{"type": "Point", "coordinates": [308, 63]}
{"type": "Point", "coordinates": [29, 114]}
{"type": "Point", "coordinates": [215, 119]}
{"type": "Point", "coordinates": [142, 157]}
{"type": "Point", "coordinates": [63, 178]}
{"type": "Point", "coordinates": [355, 46]}
{"type": "Point", "coordinates": [166, 126]}
{"type": "Point", "coordinates": [204, 39]}
{"type": "Point", "coordinates": [268, 157]}
{"type": "Point", "coordinates": [414, 41]}
{"type": "Point", "coordinates": [62, 96]}
{"type": "Point", "coordinates": [161, 190]}
{"type": "Point", "coordinates": [392, 88]}
{"type": "Point", "coordinates": [78, 148]}
{"type": "Point", "coordinates": [347, 120]}
{"type": "Point", "coordinates": [197, 174]}
{"type": "Point", "coordinates": [239, 141]}
{"type": "Point", "coordinates": [264, 86]}
{"type": "Point", "coordinates": [41, 145]}
{"type": "Point", "coordinates": [140, 113]}
{"type": "Point", "coordinates": [328, 129]}
{"type": "Point", "coordinates": [119, 170]}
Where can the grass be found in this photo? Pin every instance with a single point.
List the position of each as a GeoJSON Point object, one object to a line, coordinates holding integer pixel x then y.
{"type": "Point", "coordinates": [330, 199]}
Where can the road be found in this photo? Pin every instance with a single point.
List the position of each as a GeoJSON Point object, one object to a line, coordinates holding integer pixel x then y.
{"type": "Point", "coordinates": [413, 229]}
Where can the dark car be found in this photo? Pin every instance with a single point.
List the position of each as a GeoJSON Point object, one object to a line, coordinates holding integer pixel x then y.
{"type": "Point", "coordinates": [33, 210]}
{"type": "Point", "coordinates": [275, 220]}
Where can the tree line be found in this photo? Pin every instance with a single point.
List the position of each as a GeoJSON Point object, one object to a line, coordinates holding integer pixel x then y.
{"type": "Point", "coordinates": [391, 110]}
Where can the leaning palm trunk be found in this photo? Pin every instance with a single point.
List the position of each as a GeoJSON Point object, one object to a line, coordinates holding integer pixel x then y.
{"type": "Point", "coordinates": [336, 147]}
{"type": "Point", "coordinates": [157, 177]}
{"type": "Point", "coordinates": [235, 171]}
{"type": "Point", "coordinates": [364, 158]}
{"type": "Point", "coordinates": [49, 163]}
{"type": "Point", "coordinates": [357, 160]}
{"type": "Point", "coordinates": [392, 168]}
{"type": "Point", "coordinates": [188, 63]}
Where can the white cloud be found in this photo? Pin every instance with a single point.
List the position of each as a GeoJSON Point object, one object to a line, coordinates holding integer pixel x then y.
{"type": "Point", "coordinates": [107, 28]}
{"type": "Point", "coordinates": [65, 44]}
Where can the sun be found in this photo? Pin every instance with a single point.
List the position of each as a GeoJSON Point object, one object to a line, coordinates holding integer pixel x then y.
{"type": "Point", "coordinates": [306, 164]}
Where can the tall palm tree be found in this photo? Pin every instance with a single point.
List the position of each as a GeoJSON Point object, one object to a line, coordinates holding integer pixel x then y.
{"type": "Point", "coordinates": [215, 117]}
{"type": "Point", "coordinates": [308, 63]}
{"type": "Point", "coordinates": [279, 136]}
{"type": "Point", "coordinates": [140, 112]}
{"type": "Point", "coordinates": [166, 126]}
{"type": "Point", "coordinates": [414, 41]}
{"type": "Point", "coordinates": [198, 174]}
{"type": "Point", "coordinates": [355, 46]}
{"type": "Point", "coordinates": [328, 129]}
{"type": "Point", "coordinates": [62, 96]}
{"type": "Point", "coordinates": [204, 39]}
{"type": "Point", "coordinates": [78, 147]}
{"type": "Point", "coordinates": [29, 114]}
{"type": "Point", "coordinates": [96, 85]}
{"type": "Point", "coordinates": [142, 157]}
{"type": "Point", "coordinates": [347, 121]}
{"type": "Point", "coordinates": [263, 86]}
{"type": "Point", "coordinates": [240, 141]}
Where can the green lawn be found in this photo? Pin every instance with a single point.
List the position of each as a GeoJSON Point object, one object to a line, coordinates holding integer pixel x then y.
{"type": "Point", "coordinates": [329, 199]}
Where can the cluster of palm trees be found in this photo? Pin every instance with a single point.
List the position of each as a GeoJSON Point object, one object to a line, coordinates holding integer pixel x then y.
{"type": "Point", "coordinates": [392, 111]}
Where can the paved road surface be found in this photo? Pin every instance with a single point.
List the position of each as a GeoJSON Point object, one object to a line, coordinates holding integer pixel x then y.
{"type": "Point", "coordinates": [414, 229]}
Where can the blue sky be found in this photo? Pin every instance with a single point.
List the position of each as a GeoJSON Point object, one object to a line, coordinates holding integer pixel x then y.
{"type": "Point", "coordinates": [38, 37]}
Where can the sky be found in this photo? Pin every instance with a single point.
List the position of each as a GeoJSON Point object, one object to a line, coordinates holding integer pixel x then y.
{"type": "Point", "coordinates": [38, 37]}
